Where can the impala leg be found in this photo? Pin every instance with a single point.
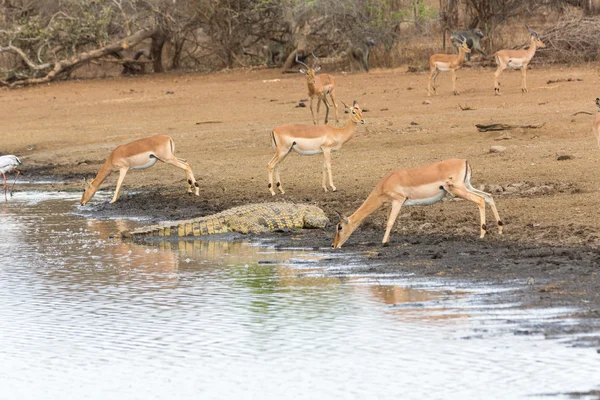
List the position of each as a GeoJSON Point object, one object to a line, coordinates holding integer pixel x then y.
{"type": "Point", "coordinates": [312, 112]}
{"type": "Point", "coordinates": [327, 162]}
{"type": "Point", "coordinates": [191, 180]}
{"type": "Point", "coordinates": [273, 169]}
{"type": "Point", "coordinates": [431, 85]}
{"type": "Point", "coordinates": [453, 73]}
{"type": "Point", "coordinates": [277, 177]}
{"type": "Point", "coordinates": [324, 99]}
{"type": "Point", "coordinates": [332, 94]}
{"type": "Point", "coordinates": [524, 79]}
{"type": "Point", "coordinates": [501, 68]}
{"type": "Point", "coordinates": [122, 173]}
{"type": "Point", "coordinates": [477, 199]}
{"type": "Point", "coordinates": [396, 206]}
{"type": "Point", "coordinates": [490, 202]}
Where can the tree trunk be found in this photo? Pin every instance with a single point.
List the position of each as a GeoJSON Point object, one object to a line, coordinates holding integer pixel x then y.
{"type": "Point", "coordinates": [158, 42]}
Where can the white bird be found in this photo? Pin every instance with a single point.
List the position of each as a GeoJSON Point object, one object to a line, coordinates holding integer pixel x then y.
{"type": "Point", "coordinates": [7, 164]}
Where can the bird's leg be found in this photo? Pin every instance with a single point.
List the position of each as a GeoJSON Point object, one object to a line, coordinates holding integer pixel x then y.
{"type": "Point", "coordinates": [13, 186]}
{"type": "Point", "coordinates": [5, 186]}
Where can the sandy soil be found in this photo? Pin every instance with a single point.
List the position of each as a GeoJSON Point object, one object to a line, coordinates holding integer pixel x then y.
{"type": "Point", "coordinates": [221, 125]}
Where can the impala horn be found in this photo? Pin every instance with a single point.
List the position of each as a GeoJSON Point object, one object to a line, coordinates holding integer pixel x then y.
{"type": "Point", "coordinates": [532, 31]}
{"type": "Point", "coordinates": [300, 62]}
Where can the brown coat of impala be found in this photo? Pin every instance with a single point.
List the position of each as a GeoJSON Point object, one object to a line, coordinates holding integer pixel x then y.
{"type": "Point", "coordinates": [447, 62]}
{"type": "Point", "coordinates": [423, 185]}
{"type": "Point", "coordinates": [308, 140]}
{"type": "Point", "coordinates": [516, 59]}
{"type": "Point", "coordinates": [140, 154]}
{"type": "Point", "coordinates": [319, 86]}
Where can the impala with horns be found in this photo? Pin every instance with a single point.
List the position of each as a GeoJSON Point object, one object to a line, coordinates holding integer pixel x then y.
{"type": "Point", "coordinates": [423, 185]}
{"type": "Point", "coordinates": [319, 86]}
{"type": "Point", "coordinates": [516, 59]}
{"type": "Point", "coordinates": [140, 154]}
{"type": "Point", "coordinates": [447, 62]}
{"type": "Point", "coordinates": [596, 125]}
{"type": "Point", "coordinates": [309, 140]}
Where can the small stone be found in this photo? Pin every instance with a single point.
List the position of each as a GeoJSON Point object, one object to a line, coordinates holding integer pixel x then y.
{"type": "Point", "coordinates": [497, 149]}
{"type": "Point", "coordinates": [427, 102]}
{"type": "Point", "coordinates": [563, 156]}
{"type": "Point", "coordinates": [505, 136]}
{"type": "Point", "coordinates": [414, 123]}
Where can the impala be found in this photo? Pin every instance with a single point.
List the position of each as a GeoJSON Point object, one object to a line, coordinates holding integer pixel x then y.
{"type": "Point", "coordinates": [423, 185]}
{"type": "Point", "coordinates": [319, 86]}
{"type": "Point", "coordinates": [447, 62]}
{"type": "Point", "coordinates": [516, 59]}
{"type": "Point", "coordinates": [308, 140]}
{"type": "Point", "coordinates": [140, 154]}
{"type": "Point", "coordinates": [596, 126]}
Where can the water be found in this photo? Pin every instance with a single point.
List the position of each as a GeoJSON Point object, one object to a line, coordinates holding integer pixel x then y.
{"type": "Point", "coordinates": [83, 316]}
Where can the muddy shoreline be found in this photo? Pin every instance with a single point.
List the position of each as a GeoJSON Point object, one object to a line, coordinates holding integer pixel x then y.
{"type": "Point", "coordinates": [543, 276]}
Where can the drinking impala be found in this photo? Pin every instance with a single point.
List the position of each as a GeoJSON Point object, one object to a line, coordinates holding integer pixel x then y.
{"type": "Point", "coordinates": [423, 185]}
{"type": "Point", "coordinates": [140, 154]}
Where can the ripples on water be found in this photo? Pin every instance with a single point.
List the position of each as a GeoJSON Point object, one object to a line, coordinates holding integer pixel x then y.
{"type": "Point", "coordinates": [85, 317]}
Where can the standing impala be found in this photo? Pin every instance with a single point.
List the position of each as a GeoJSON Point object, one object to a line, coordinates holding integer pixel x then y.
{"type": "Point", "coordinates": [516, 59]}
{"type": "Point", "coordinates": [423, 185]}
{"type": "Point", "coordinates": [596, 125]}
{"type": "Point", "coordinates": [140, 154]}
{"type": "Point", "coordinates": [447, 62]}
{"type": "Point", "coordinates": [307, 140]}
{"type": "Point", "coordinates": [319, 86]}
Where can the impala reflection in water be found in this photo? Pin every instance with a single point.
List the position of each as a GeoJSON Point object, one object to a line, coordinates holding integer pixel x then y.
{"type": "Point", "coordinates": [85, 316]}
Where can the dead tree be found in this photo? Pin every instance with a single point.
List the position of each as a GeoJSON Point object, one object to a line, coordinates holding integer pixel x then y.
{"type": "Point", "coordinates": [60, 69]}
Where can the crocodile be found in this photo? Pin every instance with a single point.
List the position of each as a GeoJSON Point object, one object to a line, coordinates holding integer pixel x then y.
{"type": "Point", "coordinates": [251, 218]}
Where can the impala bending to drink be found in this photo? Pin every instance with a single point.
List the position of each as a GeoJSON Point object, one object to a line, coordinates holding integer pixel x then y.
{"type": "Point", "coordinates": [308, 140]}
{"type": "Point", "coordinates": [140, 154]}
{"type": "Point", "coordinates": [423, 185]}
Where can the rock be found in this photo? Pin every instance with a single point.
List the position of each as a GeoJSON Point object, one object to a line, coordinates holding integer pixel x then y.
{"type": "Point", "coordinates": [427, 102]}
{"type": "Point", "coordinates": [505, 136]}
{"type": "Point", "coordinates": [539, 190]}
{"type": "Point", "coordinates": [492, 188]}
{"type": "Point", "coordinates": [414, 123]}
{"type": "Point", "coordinates": [497, 149]}
{"type": "Point", "coordinates": [563, 156]}
{"type": "Point", "coordinates": [426, 226]}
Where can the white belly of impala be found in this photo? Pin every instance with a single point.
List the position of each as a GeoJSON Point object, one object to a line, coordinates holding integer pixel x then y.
{"type": "Point", "coordinates": [516, 64]}
{"type": "Point", "coordinates": [308, 147]}
{"type": "Point", "coordinates": [426, 201]}
{"type": "Point", "coordinates": [442, 66]}
{"type": "Point", "coordinates": [143, 165]}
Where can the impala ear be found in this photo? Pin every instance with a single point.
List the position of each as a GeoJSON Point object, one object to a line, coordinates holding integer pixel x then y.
{"type": "Point", "coordinates": [342, 218]}
{"type": "Point", "coordinates": [302, 70]}
{"type": "Point", "coordinates": [354, 104]}
{"type": "Point", "coordinates": [87, 183]}
{"type": "Point", "coordinates": [346, 108]}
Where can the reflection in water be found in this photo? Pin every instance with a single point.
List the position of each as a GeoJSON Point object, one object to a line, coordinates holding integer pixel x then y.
{"type": "Point", "coordinates": [85, 316]}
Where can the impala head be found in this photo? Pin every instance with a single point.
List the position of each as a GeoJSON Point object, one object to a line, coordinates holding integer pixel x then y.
{"type": "Point", "coordinates": [309, 72]}
{"type": "Point", "coordinates": [355, 113]}
{"type": "Point", "coordinates": [89, 192]}
{"type": "Point", "coordinates": [463, 44]}
{"type": "Point", "coordinates": [343, 230]}
{"type": "Point", "coordinates": [535, 37]}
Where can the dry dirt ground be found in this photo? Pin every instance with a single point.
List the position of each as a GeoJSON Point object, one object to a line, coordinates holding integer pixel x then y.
{"type": "Point", "coordinates": [221, 124]}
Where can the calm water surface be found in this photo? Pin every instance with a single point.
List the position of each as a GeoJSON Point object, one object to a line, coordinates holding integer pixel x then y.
{"type": "Point", "coordinates": [86, 317]}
